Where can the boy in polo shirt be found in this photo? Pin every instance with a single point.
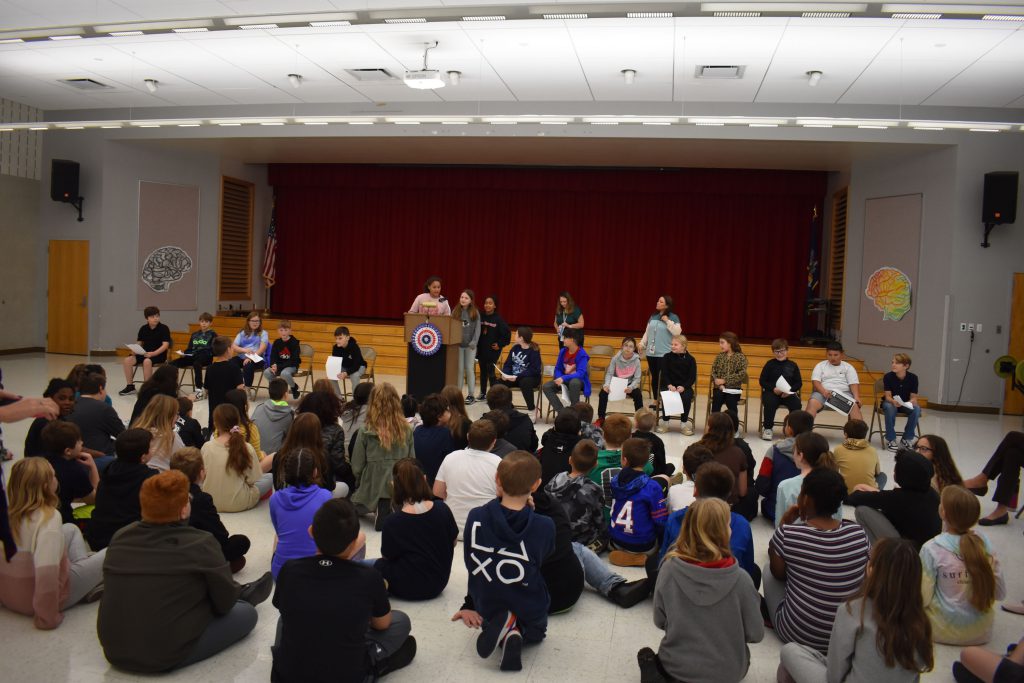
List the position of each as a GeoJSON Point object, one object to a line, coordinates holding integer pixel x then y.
{"type": "Point", "coordinates": [155, 338]}
{"type": "Point", "coordinates": [831, 375]}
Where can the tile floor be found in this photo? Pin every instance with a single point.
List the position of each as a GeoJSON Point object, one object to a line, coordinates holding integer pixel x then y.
{"type": "Point", "coordinates": [596, 641]}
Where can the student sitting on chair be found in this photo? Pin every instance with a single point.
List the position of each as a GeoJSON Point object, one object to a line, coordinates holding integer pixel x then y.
{"type": "Point", "coordinates": [834, 375]}
{"type": "Point", "coordinates": [900, 397]}
{"type": "Point", "coordinates": [285, 357]}
{"type": "Point", "coordinates": [198, 354]}
{"type": "Point", "coordinates": [771, 395]}
{"type": "Point", "coordinates": [155, 338]}
{"type": "Point", "coordinates": [571, 371]}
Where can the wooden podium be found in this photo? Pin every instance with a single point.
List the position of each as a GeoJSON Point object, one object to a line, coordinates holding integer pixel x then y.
{"type": "Point", "coordinates": [429, 374]}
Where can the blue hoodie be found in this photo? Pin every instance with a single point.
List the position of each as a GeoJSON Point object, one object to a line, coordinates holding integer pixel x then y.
{"type": "Point", "coordinates": [291, 512]}
{"type": "Point", "coordinates": [582, 372]}
{"type": "Point", "coordinates": [504, 550]}
{"type": "Point", "coordinates": [638, 510]}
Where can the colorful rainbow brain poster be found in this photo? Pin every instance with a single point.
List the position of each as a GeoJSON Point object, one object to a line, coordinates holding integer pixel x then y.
{"type": "Point", "coordinates": [889, 290]}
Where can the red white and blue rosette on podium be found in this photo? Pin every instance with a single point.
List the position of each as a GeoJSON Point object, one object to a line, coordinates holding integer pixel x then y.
{"type": "Point", "coordinates": [426, 339]}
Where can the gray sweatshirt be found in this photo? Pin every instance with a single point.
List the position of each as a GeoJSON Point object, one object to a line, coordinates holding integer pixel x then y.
{"type": "Point", "coordinates": [631, 366]}
{"type": "Point", "coordinates": [709, 616]}
{"type": "Point", "coordinates": [470, 330]}
{"type": "Point", "coordinates": [273, 421]}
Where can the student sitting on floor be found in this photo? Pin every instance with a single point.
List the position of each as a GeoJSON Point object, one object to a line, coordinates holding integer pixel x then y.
{"type": "Point", "coordinates": [511, 607]}
{"type": "Point", "coordinates": [336, 621]}
{"type": "Point", "coordinates": [97, 421]}
{"type": "Point", "coordinates": [117, 496]}
{"type": "Point", "coordinates": [910, 511]}
{"type": "Point", "coordinates": [681, 495]}
{"type": "Point", "coordinates": [466, 478]}
{"type": "Point", "coordinates": [432, 440]}
{"type": "Point", "coordinates": [558, 443]}
{"type": "Point", "coordinates": [385, 439]}
{"type": "Point", "coordinates": [76, 472]}
{"type": "Point", "coordinates": [857, 459]}
{"type": "Point", "coordinates": [815, 562]}
{"type": "Point", "coordinates": [51, 570]}
{"type": "Point", "coordinates": [188, 428]}
{"type": "Point", "coordinates": [609, 459]}
{"type": "Point", "coordinates": [233, 475]}
{"type": "Point", "coordinates": [502, 446]}
{"type": "Point", "coordinates": [63, 394]}
{"type": "Point", "coordinates": [706, 604]}
{"type": "Point", "coordinates": [810, 451]}
{"type": "Point", "coordinates": [521, 432]}
{"type": "Point", "coordinates": [221, 377]}
{"type": "Point", "coordinates": [978, 665]}
{"type": "Point", "coordinates": [589, 430]}
{"type": "Point", "coordinates": [169, 599]}
{"type": "Point", "coordinates": [777, 464]}
{"type": "Point", "coordinates": [292, 508]}
{"type": "Point", "coordinates": [203, 515]}
{"type": "Point", "coordinates": [274, 416]}
{"type": "Point", "coordinates": [582, 499]}
{"type": "Point", "coordinates": [962, 579]}
{"type": "Point", "coordinates": [160, 419]}
{"type": "Point", "coordinates": [880, 635]}
{"type": "Point", "coordinates": [645, 421]}
{"type": "Point", "coordinates": [638, 511]}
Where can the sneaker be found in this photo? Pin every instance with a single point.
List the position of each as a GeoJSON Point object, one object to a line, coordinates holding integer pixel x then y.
{"type": "Point", "coordinates": [892, 445]}
{"type": "Point", "coordinates": [662, 427]}
{"type": "Point", "coordinates": [493, 632]}
{"type": "Point", "coordinates": [624, 558]}
{"type": "Point", "coordinates": [93, 595]}
{"type": "Point", "coordinates": [127, 391]}
{"type": "Point", "coordinates": [259, 590]}
{"type": "Point", "coordinates": [628, 594]}
{"type": "Point", "coordinates": [766, 434]}
{"type": "Point", "coordinates": [401, 658]}
{"type": "Point", "coordinates": [687, 429]}
{"type": "Point", "coordinates": [649, 671]}
{"type": "Point", "coordinates": [470, 400]}
{"type": "Point", "coordinates": [905, 444]}
{"type": "Point", "coordinates": [295, 393]}
{"type": "Point", "coordinates": [481, 396]}
{"type": "Point", "coordinates": [200, 394]}
{"type": "Point", "coordinates": [512, 652]}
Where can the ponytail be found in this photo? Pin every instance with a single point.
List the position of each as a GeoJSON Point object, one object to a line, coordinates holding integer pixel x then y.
{"type": "Point", "coordinates": [962, 510]}
{"type": "Point", "coordinates": [814, 449]}
{"type": "Point", "coordinates": [298, 467]}
{"type": "Point", "coordinates": [527, 334]}
{"type": "Point", "coordinates": [226, 420]}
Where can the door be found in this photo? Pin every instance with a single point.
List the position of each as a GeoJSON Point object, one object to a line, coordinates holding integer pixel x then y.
{"type": "Point", "coordinates": [1013, 403]}
{"type": "Point", "coordinates": [68, 297]}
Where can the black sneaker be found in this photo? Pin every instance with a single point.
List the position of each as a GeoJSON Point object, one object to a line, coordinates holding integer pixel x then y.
{"type": "Point", "coordinates": [401, 658]}
{"type": "Point", "coordinates": [512, 651]}
{"type": "Point", "coordinates": [649, 670]}
{"type": "Point", "coordinates": [259, 590]}
{"type": "Point", "coordinates": [493, 632]}
{"type": "Point", "coordinates": [127, 391]}
{"type": "Point", "coordinates": [628, 594]}
{"type": "Point", "coordinates": [470, 400]}
{"type": "Point", "coordinates": [481, 396]}
{"type": "Point", "coordinates": [295, 393]}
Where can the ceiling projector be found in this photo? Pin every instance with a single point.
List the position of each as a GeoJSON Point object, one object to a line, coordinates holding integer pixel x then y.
{"type": "Point", "coordinates": [425, 79]}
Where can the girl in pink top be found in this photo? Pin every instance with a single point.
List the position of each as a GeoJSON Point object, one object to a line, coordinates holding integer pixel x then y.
{"type": "Point", "coordinates": [430, 302]}
{"type": "Point", "coordinates": [52, 569]}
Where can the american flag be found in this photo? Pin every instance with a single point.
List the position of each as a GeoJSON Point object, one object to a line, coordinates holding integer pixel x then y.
{"type": "Point", "coordinates": [270, 257]}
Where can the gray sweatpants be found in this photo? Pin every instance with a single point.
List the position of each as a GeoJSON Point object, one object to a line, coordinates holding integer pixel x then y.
{"type": "Point", "coordinates": [876, 525]}
{"type": "Point", "coordinates": [223, 632]}
{"type": "Point", "coordinates": [85, 570]}
{"type": "Point", "coordinates": [774, 591]}
{"type": "Point", "coordinates": [803, 664]}
{"type": "Point", "coordinates": [352, 379]}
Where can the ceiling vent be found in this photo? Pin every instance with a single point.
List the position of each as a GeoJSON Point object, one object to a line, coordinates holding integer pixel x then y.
{"type": "Point", "coordinates": [85, 84]}
{"type": "Point", "coordinates": [371, 74]}
{"type": "Point", "coordinates": [719, 72]}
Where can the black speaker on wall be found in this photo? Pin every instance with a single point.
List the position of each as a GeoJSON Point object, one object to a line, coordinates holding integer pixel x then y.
{"type": "Point", "coordinates": [63, 180]}
{"type": "Point", "coordinates": [1000, 200]}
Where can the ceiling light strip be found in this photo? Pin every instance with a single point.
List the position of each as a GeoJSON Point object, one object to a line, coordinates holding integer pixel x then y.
{"type": "Point", "coordinates": [649, 15]}
{"type": "Point", "coordinates": [916, 15]}
{"type": "Point", "coordinates": [328, 24]}
{"type": "Point", "coordinates": [724, 15]}
{"type": "Point", "coordinates": [567, 15]}
{"type": "Point", "coordinates": [199, 29]}
{"type": "Point", "coordinates": [412, 20]}
{"type": "Point", "coordinates": [252, 27]}
{"type": "Point", "coordinates": [496, 17]}
{"type": "Point", "coordinates": [1002, 17]}
{"type": "Point", "coordinates": [825, 15]}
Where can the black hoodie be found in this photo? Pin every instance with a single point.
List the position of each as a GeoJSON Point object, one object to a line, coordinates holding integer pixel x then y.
{"type": "Point", "coordinates": [913, 508]}
{"type": "Point", "coordinates": [117, 501]}
{"type": "Point", "coordinates": [521, 432]}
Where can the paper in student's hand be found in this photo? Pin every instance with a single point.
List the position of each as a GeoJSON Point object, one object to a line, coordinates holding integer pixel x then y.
{"type": "Point", "coordinates": [254, 357]}
{"type": "Point", "coordinates": [502, 374]}
{"type": "Point", "coordinates": [672, 402]}
{"type": "Point", "coordinates": [565, 395]}
{"type": "Point", "coordinates": [617, 389]}
{"type": "Point", "coordinates": [333, 367]}
{"type": "Point", "coordinates": [136, 349]}
{"type": "Point", "coordinates": [782, 385]}
{"type": "Point", "coordinates": [732, 391]}
{"type": "Point", "coordinates": [180, 352]}
{"type": "Point", "coordinates": [900, 403]}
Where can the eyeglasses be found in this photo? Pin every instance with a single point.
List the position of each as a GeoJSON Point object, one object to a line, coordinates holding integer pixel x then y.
{"type": "Point", "coordinates": [923, 449]}
{"type": "Point", "coordinates": [778, 351]}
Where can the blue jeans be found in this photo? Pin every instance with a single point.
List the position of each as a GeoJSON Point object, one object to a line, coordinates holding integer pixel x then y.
{"type": "Point", "coordinates": [595, 571]}
{"type": "Point", "coordinates": [285, 374]}
{"type": "Point", "coordinates": [890, 410]}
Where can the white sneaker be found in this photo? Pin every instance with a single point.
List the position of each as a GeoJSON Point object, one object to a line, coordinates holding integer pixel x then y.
{"type": "Point", "coordinates": [661, 428]}
{"type": "Point", "coordinates": [688, 429]}
{"type": "Point", "coordinates": [766, 434]}
{"type": "Point", "coordinates": [892, 445]}
{"type": "Point", "coordinates": [200, 394]}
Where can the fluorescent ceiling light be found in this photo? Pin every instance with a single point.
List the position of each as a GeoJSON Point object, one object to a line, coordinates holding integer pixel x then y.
{"type": "Point", "coordinates": [314, 123]}
{"type": "Point", "coordinates": [495, 17]}
{"type": "Point", "coordinates": [984, 130]}
{"type": "Point", "coordinates": [111, 126]}
{"type": "Point", "coordinates": [189, 125]}
{"type": "Point", "coordinates": [72, 37]}
{"type": "Point", "coordinates": [1002, 17]}
{"type": "Point", "coordinates": [913, 15]}
{"type": "Point", "coordinates": [6, 130]}
{"type": "Point", "coordinates": [705, 123]}
{"type": "Point", "coordinates": [148, 125]}
{"type": "Point", "coordinates": [500, 120]}
{"type": "Point", "coordinates": [229, 124]}
{"type": "Point", "coordinates": [816, 125]}
{"type": "Point", "coordinates": [959, 125]}
{"type": "Point", "coordinates": [326, 24]}
{"type": "Point", "coordinates": [825, 15]}
{"type": "Point", "coordinates": [763, 125]}
{"type": "Point", "coordinates": [455, 123]}
{"type": "Point", "coordinates": [603, 123]}
{"type": "Point", "coordinates": [737, 14]}
{"type": "Point", "coordinates": [657, 123]}
{"type": "Point", "coordinates": [7, 41]}
{"type": "Point", "coordinates": [566, 15]}
{"type": "Point", "coordinates": [649, 15]}
{"type": "Point", "coordinates": [952, 9]}
{"type": "Point", "coordinates": [271, 123]}
{"type": "Point", "coordinates": [738, 120]}
{"type": "Point", "coordinates": [781, 7]}
{"type": "Point", "coordinates": [198, 29]}
{"type": "Point", "coordinates": [250, 27]}
{"type": "Point", "coordinates": [153, 26]}
{"type": "Point", "coordinates": [927, 128]}
{"type": "Point", "coordinates": [854, 123]}
{"type": "Point", "coordinates": [415, 20]}
{"type": "Point", "coordinates": [38, 127]}
{"type": "Point", "coordinates": [311, 19]}
{"type": "Point", "coordinates": [125, 34]}
{"type": "Point", "coordinates": [360, 123]}
{"type": "Point", "coordinates": [873, 127]}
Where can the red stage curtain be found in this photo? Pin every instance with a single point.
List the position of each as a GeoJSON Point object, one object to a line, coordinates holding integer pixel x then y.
{"type": "Point", "coordinates": [730, 246]}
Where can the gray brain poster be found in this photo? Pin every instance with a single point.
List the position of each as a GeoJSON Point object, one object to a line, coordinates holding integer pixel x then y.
{"type": "Point", "coordinates": [168, 246]}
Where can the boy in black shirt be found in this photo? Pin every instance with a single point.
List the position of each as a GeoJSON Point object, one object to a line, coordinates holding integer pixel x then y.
{"type": "Point", "coordinates": [189, 429]}
{"type": "Point", "coordinates": [77, 476]}
{"type": "Point", "coordinates": [198, 354]}
{"type": "Point", "coordinates": [352, 363]}
{"type": "Point", "coordinates": [117, 496]}
{"type": "Point", "coordinates": [771, 395]}
{"type": "Point", "coordinates": [284, 357]}
{"type": "Point", "coordinates": [221, 376]}
{"type": "Point", "coordinates": [336, 622]}
{"type": "Point", "coordinates": [155, 338]}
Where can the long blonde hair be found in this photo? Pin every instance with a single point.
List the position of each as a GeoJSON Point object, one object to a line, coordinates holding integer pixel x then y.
{"type": "Point", "coordinates": [158, 418]}
{"type": "Point", "coordinates": [961, 510]}
{"type": "Point", "coordinates": [704, 536]}
{"type": "Point", "coordinates": [384, 416]}
{"type": "Point", "coordinates": [28, 491]}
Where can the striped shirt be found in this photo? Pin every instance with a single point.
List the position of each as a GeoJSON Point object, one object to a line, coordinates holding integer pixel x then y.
{"type": "Point", "coordinates": [823, 569]}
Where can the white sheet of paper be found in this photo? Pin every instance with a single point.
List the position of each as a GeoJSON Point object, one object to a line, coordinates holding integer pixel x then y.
{"type": "Point", "coordinates": [254, 357]}
{"type": "Point", "coordinates": [731, 391]}
{"type": "Point", "coordinates": [180, 353]}
{"type": "Point", "coordinates": [617, 389]}
{"type": "Point", "coordinates": [136, 349]}
{"type": "Point", "coordinates": [899, 401]}
{"type": "Point", "coordinates": [672, 402]}
{"type": "Point", "coordinates": [565, 395]}
{"type": "Point", "coordinates": [502, 374]}
{"type": "Point", "coordinates": [333, 367]}
{"type": "Point", "coordinates": [782, 385]}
